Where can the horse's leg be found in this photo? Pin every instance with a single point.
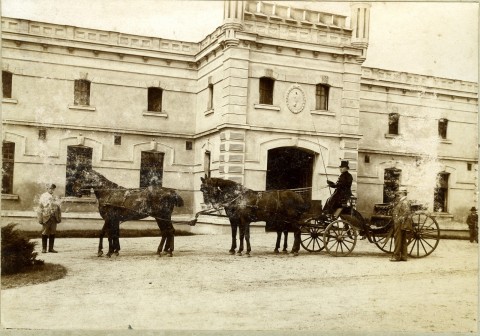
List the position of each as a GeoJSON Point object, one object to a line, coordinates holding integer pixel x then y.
{"type": "Point", "coordinates": [285, 241]}
{"type": "Point", "coordinates": [114, 238]}
{"type": "Point", "coordinates": [168, 234]}
{"type": "Point", "coordinates": [277, 244]}
{"type": "Point", "coordinates": [233, 227]}
{"type": "Point", "coordinates": [100, 242]}
{"type": "Point", "coordinates": [247, 238]}
{"type": "Point", "coordinates": [241, 229]}
{"type": "Point", "coordinates": [296, 242]}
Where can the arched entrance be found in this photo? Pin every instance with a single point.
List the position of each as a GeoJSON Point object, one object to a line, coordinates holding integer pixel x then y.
{"type": "Point", "coordinates": [289, 168]}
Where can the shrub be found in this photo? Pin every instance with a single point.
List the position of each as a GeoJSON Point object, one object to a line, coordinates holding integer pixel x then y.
{"type": "Point", "coordinates": [17, 251]}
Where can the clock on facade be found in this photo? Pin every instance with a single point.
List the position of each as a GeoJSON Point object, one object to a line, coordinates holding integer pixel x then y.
{"type": "Point", "coordinates": [295, 99]}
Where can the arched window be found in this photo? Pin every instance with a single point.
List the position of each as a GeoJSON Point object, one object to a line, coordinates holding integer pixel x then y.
{"type": "Point", "coordinates": [155, 96]}
{"type": "Point", "coordinates": [442, 128]}
{"type": "Point", "coordinates": [391, 183]}
{"type": "Point", "coordinates": [321, 97]}
{"type": "Point", "coordinates": [7, 84]}
{"type": "Point", "coordinates": [82, 92]}
{"type": "Point", "coordinates": [393, 120]}
{"type": "Point", "coordinates": [266, 90]}
{"type": "Point", "coordinates": [151, 168]}
{"type": "Point", "coordinates": [78, 158]}
{"type": "Point", "coordinates": [8, 154]}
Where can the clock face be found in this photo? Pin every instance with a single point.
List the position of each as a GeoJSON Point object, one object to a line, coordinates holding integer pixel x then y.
{"type": "Point", "coordinates": [295, 99]}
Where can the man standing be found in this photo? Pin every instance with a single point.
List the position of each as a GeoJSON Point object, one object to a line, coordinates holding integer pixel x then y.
{"type": "Point", "coordinates": [402, 222]}
{"type": "Point", "coordinates": [49, 214]}
{"type": "Point", "coordinates": [343, 191]}
{"type": "Point", "coordinates": [472, 221]}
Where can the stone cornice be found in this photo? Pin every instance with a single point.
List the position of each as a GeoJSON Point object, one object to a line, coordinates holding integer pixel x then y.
{"type": "Point", "coordinates": [399, 79]}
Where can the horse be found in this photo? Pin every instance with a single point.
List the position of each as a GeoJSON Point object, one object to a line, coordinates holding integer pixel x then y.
{"type": "Point", "coordinates": [243, 206]}
{"type": "Point", "coordinates": [274, 227]}
{"type": "Point", "coordinates": [117, 204]}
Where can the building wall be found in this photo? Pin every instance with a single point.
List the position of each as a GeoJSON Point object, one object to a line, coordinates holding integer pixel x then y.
{"type": "Point", "coordinates": [297, 48]}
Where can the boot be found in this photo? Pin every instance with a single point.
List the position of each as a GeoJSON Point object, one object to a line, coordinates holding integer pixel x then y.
{"type": "Point", "coordinates": [44, 243]}
{"type": "Point", "coordinates": [50, 244]}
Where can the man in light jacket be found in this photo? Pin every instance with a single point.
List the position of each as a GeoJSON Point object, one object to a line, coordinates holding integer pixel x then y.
{"type": "Point", "coordinates": [49, 215]}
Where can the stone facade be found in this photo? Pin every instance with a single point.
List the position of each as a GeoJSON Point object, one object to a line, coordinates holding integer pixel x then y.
{"type": "Point", "coordinates": [212, 119]}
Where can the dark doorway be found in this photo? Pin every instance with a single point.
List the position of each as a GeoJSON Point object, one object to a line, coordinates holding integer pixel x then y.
{"type": "Point", "coordinates": [440, 200]}
{"type": "Point", "coordinates": [289, 168]}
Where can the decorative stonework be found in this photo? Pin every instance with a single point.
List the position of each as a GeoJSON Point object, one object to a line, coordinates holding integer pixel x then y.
{"type": "Point", "coordinates": [295, 98]}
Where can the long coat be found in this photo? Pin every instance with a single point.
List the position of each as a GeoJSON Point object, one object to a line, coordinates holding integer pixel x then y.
{"type": "Point", "coordinates": [401, 214]}
{"type": "Point", "coordinates": [343, 190]}
{"type": "Point", "coordinates": [48, 209]}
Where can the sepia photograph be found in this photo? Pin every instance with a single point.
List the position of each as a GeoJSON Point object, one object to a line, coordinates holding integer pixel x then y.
{"type": "Point", "coordinates": [239, 167]}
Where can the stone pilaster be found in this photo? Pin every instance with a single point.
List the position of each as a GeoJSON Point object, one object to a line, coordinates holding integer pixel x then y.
{"type": "Point", "coordinates": [360, 24]}
{"type": "Point", "coordinates": [232, 155]}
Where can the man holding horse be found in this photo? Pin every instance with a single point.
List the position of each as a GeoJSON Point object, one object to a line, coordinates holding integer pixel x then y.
{"type": "Point", "coordinates": [343, 191]}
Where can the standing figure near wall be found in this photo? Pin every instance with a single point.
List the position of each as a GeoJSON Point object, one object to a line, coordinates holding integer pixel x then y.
{"type": "Point", "coordinates": [472, 221]}
{"type": "Point", "coordinates": [49, 215]}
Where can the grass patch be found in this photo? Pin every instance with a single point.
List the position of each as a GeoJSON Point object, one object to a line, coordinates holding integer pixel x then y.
{"type": "Point", "coordinates": [127, 233]}
{"type": "Point", "coordinates": [34, 275]}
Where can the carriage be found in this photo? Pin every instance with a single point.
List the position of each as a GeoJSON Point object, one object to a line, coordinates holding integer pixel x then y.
{"type": "Point", "coordinates": [338, 236]}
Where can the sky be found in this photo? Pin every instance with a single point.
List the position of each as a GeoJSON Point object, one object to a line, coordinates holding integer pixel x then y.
{"type": "Point", "coordinates": [436, 39]}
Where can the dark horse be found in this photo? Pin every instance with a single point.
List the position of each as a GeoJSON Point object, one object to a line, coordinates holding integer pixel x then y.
{"type": "Point", "coordinates": [117, 204]}
{"type": "Point", "coordinates": [244, 206]}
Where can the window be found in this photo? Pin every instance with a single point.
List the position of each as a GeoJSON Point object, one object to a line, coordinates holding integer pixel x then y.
{"type": "Point", "coordinates": [78, 158]}
{"type": "Point", "coordinates": [469, 166]}
{"type": "Point", "coordinates": [393, 119]}
{"type": "Point", "coordinates": [367, 158]}
{"type": "Point", "coordinates": [151, 169]}
{"type": "Point", "coordinates": [117, 140]}
{"type": "Point", "coordinates": [206, 163]}
{"type": "Point", "coordinates": [391, 183]}
{"type": "Point", "coordinates": [266, 90]}
{"type": "Point", "coordinates": [210, 97]}
{"type": "Point", "coordinates": [8, 152]}
{"type": "Point", "coordinates": [155, 99]}
{"type": "Point", "coordinates": [442, 128]}
{"type": "Point", "coordinates": [321, 97]}
{"type": "Point", "coordinates": [188, 145]}
{"type": "Point", "coordinates": [7, 84]}
{"type": "Point", "coordinates": [42, 134]}
{"type": "Point", "coordinates": [440, 198]}
{"type": "Point", "coordinates": [82, 92]}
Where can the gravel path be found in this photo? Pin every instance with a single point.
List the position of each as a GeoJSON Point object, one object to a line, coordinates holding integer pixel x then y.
{"type": "Point", "coordinates": [204, 288]}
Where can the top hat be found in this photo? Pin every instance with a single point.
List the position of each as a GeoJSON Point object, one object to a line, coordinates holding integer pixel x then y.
{"type": "Point", "coordinates": [344, 164]}
{"type": "Point", "coordinates": [473, 209]}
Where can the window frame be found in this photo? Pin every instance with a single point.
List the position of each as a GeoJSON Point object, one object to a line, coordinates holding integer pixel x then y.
{"type": "Point", "coordinates": [266, 90]}
{"type": "Point", "coordinates": [81, 92]}
{"type": "Point", "coordinates": [7, 78]}
{"type": "Point", "coordinates": [394, 125]}
{"type": "Point", "coordinates": [155, 99]}
{"type": "Point", "coordinates": [8, 167]}
{"type": "Point", "coordinates": [443, 128]}
{"type": "Point", "coordinates": [322, 95]}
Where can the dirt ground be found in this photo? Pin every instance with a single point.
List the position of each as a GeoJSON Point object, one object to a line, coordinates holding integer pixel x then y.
{"type": "Point", "coordinates": [204, 288]}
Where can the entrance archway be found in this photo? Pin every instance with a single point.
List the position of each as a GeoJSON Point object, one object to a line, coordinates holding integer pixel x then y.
{"type": "Point", "coordinates": [289, 168]}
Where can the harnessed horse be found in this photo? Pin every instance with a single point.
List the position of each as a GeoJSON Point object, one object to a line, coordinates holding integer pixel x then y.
{"type": "Point", "coordinates": [117, 204]}
{"type": "Point", "coordinates": [243, 206]}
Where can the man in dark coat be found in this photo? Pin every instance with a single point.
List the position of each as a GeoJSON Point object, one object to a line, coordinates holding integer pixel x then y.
{"type": "Point", "coordinates": [472, 221]}
{"type": "Point", "coordinates": [343, 191]}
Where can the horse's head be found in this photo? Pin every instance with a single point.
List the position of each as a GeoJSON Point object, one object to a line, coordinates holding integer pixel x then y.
{"type": "Point", "coordinates": [85, 179]}
{"type": "Point", "coordinates": [218, 192]}
{"type": "Point", "coordinates": [209, 190]}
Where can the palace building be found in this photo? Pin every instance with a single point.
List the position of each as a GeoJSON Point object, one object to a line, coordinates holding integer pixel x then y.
{"type": "Point", "coordinates": [273, 99]}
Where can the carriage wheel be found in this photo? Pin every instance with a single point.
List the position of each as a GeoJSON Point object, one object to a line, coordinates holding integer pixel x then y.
{"type": "Point", "coordinates": [340, 238]}
{"type": "Point", "coordinates": [385, 241]}
{"type": "Point", "coordinates": [425, 236]}
{"type": "Point", "coordinates": [311, 237]}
